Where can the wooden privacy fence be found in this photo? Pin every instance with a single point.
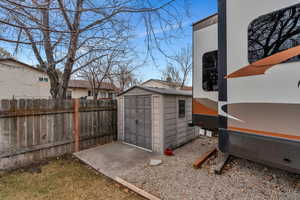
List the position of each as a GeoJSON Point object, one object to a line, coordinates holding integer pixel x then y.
{"type": "Point", "coordinates": [35, 129]}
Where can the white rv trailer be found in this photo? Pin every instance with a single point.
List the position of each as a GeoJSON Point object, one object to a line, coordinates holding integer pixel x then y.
{"type": "Point", "coordinates": [205, 59]}
{"type": "Point", "coordinates": [258, 80]}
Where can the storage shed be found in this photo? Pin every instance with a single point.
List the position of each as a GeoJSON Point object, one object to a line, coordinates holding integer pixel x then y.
{"type": "Point", "coordinates": [155, 118]}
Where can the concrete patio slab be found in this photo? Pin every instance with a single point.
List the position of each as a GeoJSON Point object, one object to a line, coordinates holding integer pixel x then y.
{"type": "Point", "coordinates": [114, 159]}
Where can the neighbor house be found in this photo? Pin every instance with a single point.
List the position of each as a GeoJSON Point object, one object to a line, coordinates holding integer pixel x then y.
{"type": "Point", "coordinates": [19, 80]}
{"type": "Point", "coordinates": [83, 89]}
{"type": "Point", "coordinates": [156, 83]}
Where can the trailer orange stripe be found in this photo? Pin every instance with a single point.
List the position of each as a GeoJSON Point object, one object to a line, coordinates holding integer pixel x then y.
{"type": "Point", "coordinates": [281, 135]}
{"type": "Point", "coordinates": [199, 108]}
{"type": "Point", "coordinates": [261, 66]}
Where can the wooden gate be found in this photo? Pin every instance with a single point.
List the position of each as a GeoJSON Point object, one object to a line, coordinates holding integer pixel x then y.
{"type": "Point", "coordinates": [138, 121]}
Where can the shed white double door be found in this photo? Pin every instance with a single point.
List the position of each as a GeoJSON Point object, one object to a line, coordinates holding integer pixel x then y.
{"type": "Point", "coordinates": [138, 121]}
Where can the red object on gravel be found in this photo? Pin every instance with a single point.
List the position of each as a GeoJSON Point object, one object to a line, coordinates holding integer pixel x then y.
{"type": "Point", "coordinates": [169, 152]}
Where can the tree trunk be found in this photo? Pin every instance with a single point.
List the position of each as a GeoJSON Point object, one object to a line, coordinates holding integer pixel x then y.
{"type": "Point", "coordinates": [95, 94]}
{"type": "Point", "coordinates": [63, 86]}
{"type": "Point", "coordinates": [54, 82]}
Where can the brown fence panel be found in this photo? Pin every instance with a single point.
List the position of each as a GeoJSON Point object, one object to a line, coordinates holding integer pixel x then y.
{"type": "Point", "coordinates": [35, 129]}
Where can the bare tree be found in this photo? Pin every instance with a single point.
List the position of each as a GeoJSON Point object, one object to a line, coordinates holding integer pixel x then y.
{"type": "Point", "coordinates": [60, 33]}
{"type": "Point", "coordinates": [274, 32]}
{"type": "Point", "coordinates": [98, 72]}
{"type": "Point", "coordinates": [172, 75]}
{"type": "Point", "coordinates": [124, 76]}
{"type": "Point", "coordinates": [4, 53]}
{"type": "Point", "coordinates": [179, 67]}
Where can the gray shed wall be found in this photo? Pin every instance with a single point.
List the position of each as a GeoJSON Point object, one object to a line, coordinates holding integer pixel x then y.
{"type": "Point", "coordinates": [168, 130]}
{"type": "Point", "coordinates": [121, 110]}
{"type": "Point", "coordinates": [176, 130]}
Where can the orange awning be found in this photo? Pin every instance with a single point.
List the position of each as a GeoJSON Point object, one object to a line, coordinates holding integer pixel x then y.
{"type": "Point", "coordinates": [261, 66]}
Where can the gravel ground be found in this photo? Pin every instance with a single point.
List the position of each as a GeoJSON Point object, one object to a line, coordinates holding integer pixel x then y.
{"type": "Point", "coordinates": [175, 178]}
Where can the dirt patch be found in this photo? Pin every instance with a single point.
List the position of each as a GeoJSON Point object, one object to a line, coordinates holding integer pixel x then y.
{"type": "Point", "coordinates": [64, 178]}
{"type": "Point", "coordinates": [175, 178]}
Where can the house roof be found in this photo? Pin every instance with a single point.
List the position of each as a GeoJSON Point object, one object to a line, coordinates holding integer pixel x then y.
{"type": "Point", "coordinates": [84, 84]}
{"type": "Point", "coordinates": [171, 84]}
{"type": "Point", "coordinates": [21, 63]}
{"type": "Point", "coordinates": [188, 88]}
{"type": "Point", "coordinates": [162, 91]}
{"type": "Point", "coordinates": [208, 21]}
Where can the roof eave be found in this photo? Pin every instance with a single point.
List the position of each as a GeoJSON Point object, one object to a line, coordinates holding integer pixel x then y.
{"type": "Point", "coordinates": [205, 19]}
{"type": "Point", "coordinates": [154, 91]}
{"type": "Point", "coordinates": [21, 63]}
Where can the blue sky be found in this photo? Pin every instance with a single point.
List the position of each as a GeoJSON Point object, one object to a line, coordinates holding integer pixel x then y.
{"type": "Point", "coordinates": [199, 9]}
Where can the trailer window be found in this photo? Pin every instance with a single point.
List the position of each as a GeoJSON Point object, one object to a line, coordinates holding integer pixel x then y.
{"type": "Point", "coordinates": [210, 71]}
{"type": "Point", "coordinates": [273, 33]}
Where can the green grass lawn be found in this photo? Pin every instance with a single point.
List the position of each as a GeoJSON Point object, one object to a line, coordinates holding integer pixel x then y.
{"type": "Point", "coordinates": [65, 178]}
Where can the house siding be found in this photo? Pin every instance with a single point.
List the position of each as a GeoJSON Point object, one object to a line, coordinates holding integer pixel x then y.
{"type": "Point", "coordinates": [83, 92]}
{"type": "Point", "coordinates": [77, 92]}
{"type": "Point", "coordinates": [18, 81]}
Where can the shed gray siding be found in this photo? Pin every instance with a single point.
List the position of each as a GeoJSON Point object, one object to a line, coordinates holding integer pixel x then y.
{"type": "Point", "coordinates": [121, 120]}
{"type": "Point", "coordinates": [185, 133]}
{"type": "Point", "coordinates": [167, 129]}
{"type": "Point", "coordinates": [121, 109]}
{"type": "Point", "coordinates": [170, 120]}
{"type": "Point", "coordinates": [138, 121]}
{"type": "Point", "coordinates": [176, 130]}
{"type": "Point", "coordinates": [157, 123]}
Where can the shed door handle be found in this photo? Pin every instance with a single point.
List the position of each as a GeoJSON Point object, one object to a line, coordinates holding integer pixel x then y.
{"type": "Point", "coordinates": [136, 121]}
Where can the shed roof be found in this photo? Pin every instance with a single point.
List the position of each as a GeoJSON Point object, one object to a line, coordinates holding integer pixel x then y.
{"type": "Point", "coordinates": [162, 91]}
{"type": "Point", "coordinates": [167, 83]}
{"type": "Point", "coordinates": [171, 84]}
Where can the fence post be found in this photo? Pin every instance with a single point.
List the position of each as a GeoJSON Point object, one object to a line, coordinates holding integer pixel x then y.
{"type": "Point", "coordinates": [76, 125]}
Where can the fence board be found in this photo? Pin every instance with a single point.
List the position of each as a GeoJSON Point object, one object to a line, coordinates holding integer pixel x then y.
{"type": "Point", "coordinates": [31, 130]}
{"type": "Point", "coordinates": [13, 130]}
{"type": "Point", "coordinates": [37, 130]}
{"type": "Point", "coordinates": [43, 128]}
